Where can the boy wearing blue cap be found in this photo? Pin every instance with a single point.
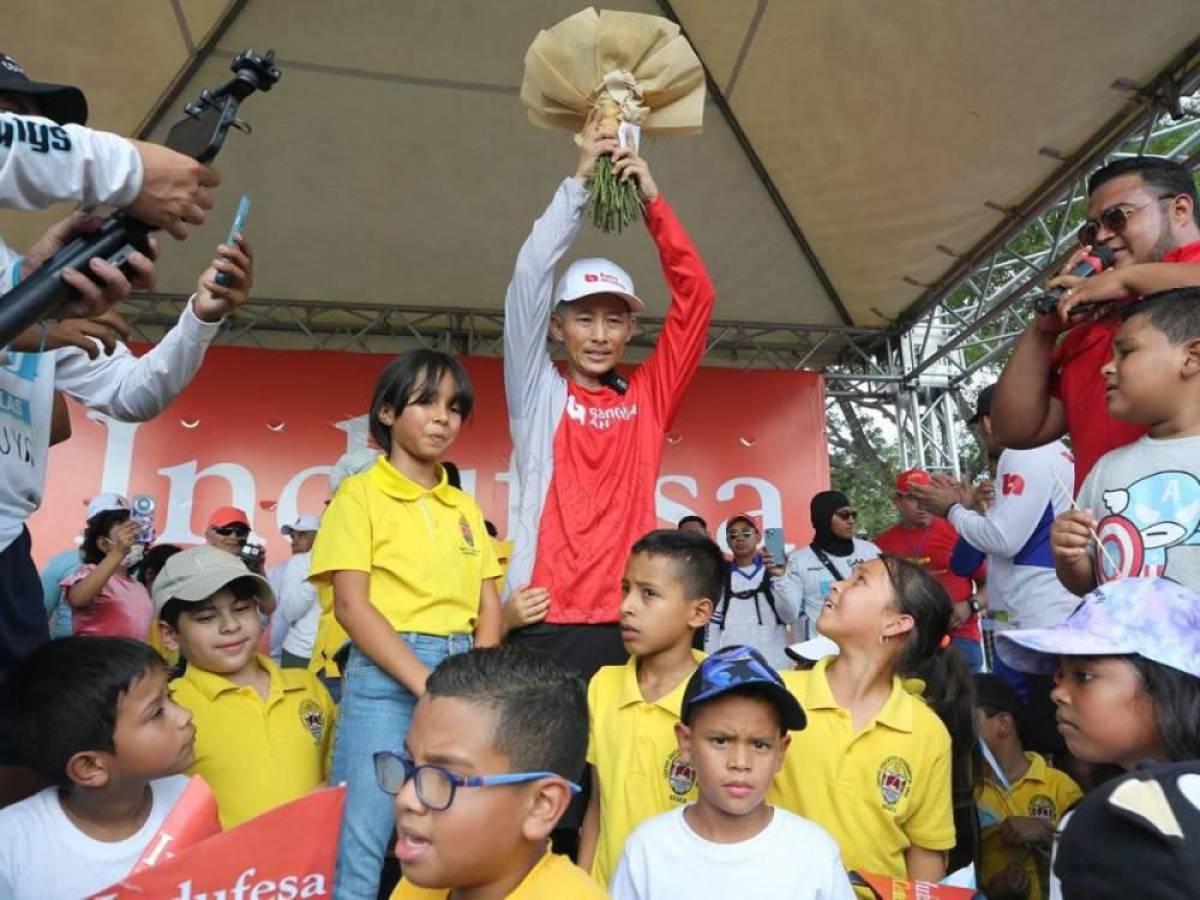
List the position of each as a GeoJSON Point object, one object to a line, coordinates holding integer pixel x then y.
{"type": "Point", "coordinates": [736, 715]}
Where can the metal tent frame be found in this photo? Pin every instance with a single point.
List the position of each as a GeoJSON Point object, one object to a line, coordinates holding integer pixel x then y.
{"type": "Point", "coordinates": [915, 369]}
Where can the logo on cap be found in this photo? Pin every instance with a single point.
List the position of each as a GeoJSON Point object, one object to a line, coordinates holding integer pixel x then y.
{"type": "Point", "coordinates": [11, 64]}
{"type": "Point", "coordinates": [894, 779]}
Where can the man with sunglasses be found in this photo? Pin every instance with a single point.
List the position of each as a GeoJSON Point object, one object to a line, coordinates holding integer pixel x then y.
{"type": "Point", "coordinates": [752, 611]}
{"type": "Point", "coordinates": [1144, 210]}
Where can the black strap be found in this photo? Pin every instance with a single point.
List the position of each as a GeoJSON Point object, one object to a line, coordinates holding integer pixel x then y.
{"type": "Point", "coordinates": [764, 588]}
{"type": "Point", "coordinates": [826, 562]}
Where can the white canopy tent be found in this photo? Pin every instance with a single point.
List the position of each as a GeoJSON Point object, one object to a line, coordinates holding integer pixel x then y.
{"type": "Point", "coordinates": [857, 156]}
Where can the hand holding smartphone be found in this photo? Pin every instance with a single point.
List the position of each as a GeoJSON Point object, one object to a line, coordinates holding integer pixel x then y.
{"type": "Point", "coordinates": [239, 223]}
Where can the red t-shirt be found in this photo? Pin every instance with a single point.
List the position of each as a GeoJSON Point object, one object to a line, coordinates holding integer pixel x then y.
{"type": "Point", "coordinates": [930, 548]}
{"type": "Point", "coordinates": [1078, 384]}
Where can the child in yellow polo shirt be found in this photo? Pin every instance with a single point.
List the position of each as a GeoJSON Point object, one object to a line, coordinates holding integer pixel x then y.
{"type": "Point", "coordinates": [485, 775]}
{"type": "Point", "coordinates": [876, 766]}
{"type": "Point", "coordinates": [672, 580]}
{"type": "Point", "coordinates": [413, 575]}
{"type": "Point", "coordinates": [263, 734]}
{"type": "Point", "coordinates": [1021, 799]}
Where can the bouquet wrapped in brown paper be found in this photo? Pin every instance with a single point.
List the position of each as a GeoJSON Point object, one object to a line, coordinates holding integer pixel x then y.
{"type": "Point", "coordinates": [625, 72]}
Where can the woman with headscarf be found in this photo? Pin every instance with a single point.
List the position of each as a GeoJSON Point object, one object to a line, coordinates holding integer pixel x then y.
{"type": "Point", "coordinates": [832, 555]}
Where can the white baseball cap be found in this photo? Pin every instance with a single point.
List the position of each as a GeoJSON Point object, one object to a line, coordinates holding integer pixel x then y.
{"type": "Point", "coordinates": [814, 649]}
{"type": "Point", "coordinates": [106, 502]}
{"type": "Point", "coordinates": [595, 275]}
{"type": "Point", "coordinates": [351, 463]}
{"type": "Point", "coordinates": [303, 523]}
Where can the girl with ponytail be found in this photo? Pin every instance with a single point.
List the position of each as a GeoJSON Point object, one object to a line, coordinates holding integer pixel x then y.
{"type": "Point", "coordinates": [885, 764]}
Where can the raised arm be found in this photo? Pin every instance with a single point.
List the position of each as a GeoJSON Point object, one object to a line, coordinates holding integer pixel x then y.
{"type": "Point", "coordinates": [681, 344]}
{"type": "Point", "coordinates": [528, 302]}
{"type": "Point", "coordinates": [136, 389]}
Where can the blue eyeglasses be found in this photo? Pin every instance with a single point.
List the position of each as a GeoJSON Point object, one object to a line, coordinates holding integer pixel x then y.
{"type": "Point", "coordinates": [436, 786]}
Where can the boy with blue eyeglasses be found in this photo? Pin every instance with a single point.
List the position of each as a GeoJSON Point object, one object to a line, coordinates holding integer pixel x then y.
{"type": "Point", "coordinates": [484, 777]}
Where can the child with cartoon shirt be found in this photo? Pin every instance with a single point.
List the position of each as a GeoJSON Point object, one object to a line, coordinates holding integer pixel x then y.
{"type": "Point", "coordinates": [1143, 500]}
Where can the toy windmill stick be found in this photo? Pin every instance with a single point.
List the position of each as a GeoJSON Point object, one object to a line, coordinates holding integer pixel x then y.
{"type": "Point", "coordinates": [1096, 537]}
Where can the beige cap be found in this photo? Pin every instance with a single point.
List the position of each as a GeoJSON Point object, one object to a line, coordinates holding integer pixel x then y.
{"type": "Point", "coordinates": [195, 575]}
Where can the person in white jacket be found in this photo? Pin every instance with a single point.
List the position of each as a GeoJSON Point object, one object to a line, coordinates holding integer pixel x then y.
{"type": "Point", "coordinates": [43, 161]}
{"type": "Point", "coordinates": [1031, 489]}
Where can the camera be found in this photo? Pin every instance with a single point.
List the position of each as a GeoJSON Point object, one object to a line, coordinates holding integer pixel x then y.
{"type": "Point", "coordinates": [253, 555]}
{"type": "Point", "coordinates": [141, 510]}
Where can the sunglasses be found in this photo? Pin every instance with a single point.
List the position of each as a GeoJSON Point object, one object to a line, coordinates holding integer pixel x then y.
{"type": "Point", "coordinates": [744, 535]}
{"type": "Point", "coordinates": [436, 786]}
{"type": "Point", "coordinates": [846, 514]}
{"type": "Point", "coordinates": [230, 530]}
{"type": "Point", "coordinates": [1115, 218]}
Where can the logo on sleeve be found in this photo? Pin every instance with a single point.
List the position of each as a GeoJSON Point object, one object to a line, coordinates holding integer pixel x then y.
{"type": "Point", "coordinates": [1043, 807]}
{"type": "Point", "coordinates": [468, 536]}
{"type": "Point", "coordinates": [1013, 484]}
{"type": "Point", "coordinates": [680, 775]}
{"type": "Point", "coordinates": [313, 719]}
{"type": "Point", "coordinates": [894, 780]}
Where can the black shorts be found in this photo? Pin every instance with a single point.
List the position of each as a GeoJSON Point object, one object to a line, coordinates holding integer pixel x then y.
{"type": "Point", "coordinates": [23, 627]}
{"type": "Point", "coordinates": [585, 648]}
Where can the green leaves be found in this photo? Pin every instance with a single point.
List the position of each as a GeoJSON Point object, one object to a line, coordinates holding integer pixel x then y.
{"type": "Point", "coordinates": [612, 204]}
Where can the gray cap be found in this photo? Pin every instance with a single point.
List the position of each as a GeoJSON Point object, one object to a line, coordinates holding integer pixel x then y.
{"type": "Point", "coordinates": [351, 463]}
{"type": "Point", "coordinates": [195, 575]}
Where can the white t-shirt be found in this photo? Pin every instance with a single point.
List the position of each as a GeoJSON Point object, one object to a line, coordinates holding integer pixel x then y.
{"type": "Point", "coordinates": [299, 606]}
{"type": "Point", "coordinates": [807, 581]}
{"type": "Point", "coordinates": [792, 857]}
{"type": "Point", "coordinates": [43, 856]}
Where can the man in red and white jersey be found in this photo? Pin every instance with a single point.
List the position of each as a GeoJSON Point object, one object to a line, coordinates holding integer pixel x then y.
{"type": "Point", "coordinates": [587, 444]}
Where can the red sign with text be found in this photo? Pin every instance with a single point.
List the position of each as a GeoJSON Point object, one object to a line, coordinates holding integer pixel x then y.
{"type": "Point", "coordinates": [260, 429]}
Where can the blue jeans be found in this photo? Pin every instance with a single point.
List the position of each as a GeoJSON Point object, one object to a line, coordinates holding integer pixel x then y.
{"type": "Point", "coordinates": [375, 714]}
{"type": "Point", "coordinates": [971, 652]}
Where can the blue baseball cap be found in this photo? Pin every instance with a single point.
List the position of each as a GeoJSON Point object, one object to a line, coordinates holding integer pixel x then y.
{"type": "Point", "coordinates": [739, 666]}
{"type": "Point", "coordinates": [1155, 618]}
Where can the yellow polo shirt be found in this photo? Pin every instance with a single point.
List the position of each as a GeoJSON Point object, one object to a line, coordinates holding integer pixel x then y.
{"type": "Point", "coordinates": [553, 878]}
{"type": "Point", "coordinates": [331, 636]}
{"type": "Point", "coordinates": [1043, 793]}
{"type": "Point", "coordinates": [257, 754]}
{"type": "Point", "coordinates": [878, 792]}
{"type": "Point", "coordinates": [427, 551]}
{"type": "Point", "coordinates": [632, 745]}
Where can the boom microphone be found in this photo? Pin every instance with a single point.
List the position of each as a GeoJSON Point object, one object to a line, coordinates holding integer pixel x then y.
{"type": "Point", "coordinates": [1098, 260]}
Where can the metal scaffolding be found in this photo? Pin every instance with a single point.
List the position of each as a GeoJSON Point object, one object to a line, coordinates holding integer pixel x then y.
{"type": "Point", "coordinates": [966, 322]}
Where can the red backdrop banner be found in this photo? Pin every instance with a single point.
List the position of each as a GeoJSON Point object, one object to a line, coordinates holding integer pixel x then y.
{"type": "Point", "coordinates": [259, 429]}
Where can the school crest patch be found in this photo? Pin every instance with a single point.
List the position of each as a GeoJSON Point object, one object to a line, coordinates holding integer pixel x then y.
{"type": "Point", "coordinates": [1043, 807]}
{"type": "Point", "coordinates": [313, 719]}
{"type": "Point", "coordinates": [680, 775]}
{"type": "Point", "coordinates": [468, 536]}
{"type": "Point", "coordinates": [894, 780]}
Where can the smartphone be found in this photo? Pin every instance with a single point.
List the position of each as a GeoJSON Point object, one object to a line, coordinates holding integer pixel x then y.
{"type": "Point", "coordinates": [773, 544]}
{"type": "Point", "coordinates": [239, 223]}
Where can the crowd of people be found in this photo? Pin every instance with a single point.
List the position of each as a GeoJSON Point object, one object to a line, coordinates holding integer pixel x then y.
{"type": "Point", "coordinates": [605, 706]}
